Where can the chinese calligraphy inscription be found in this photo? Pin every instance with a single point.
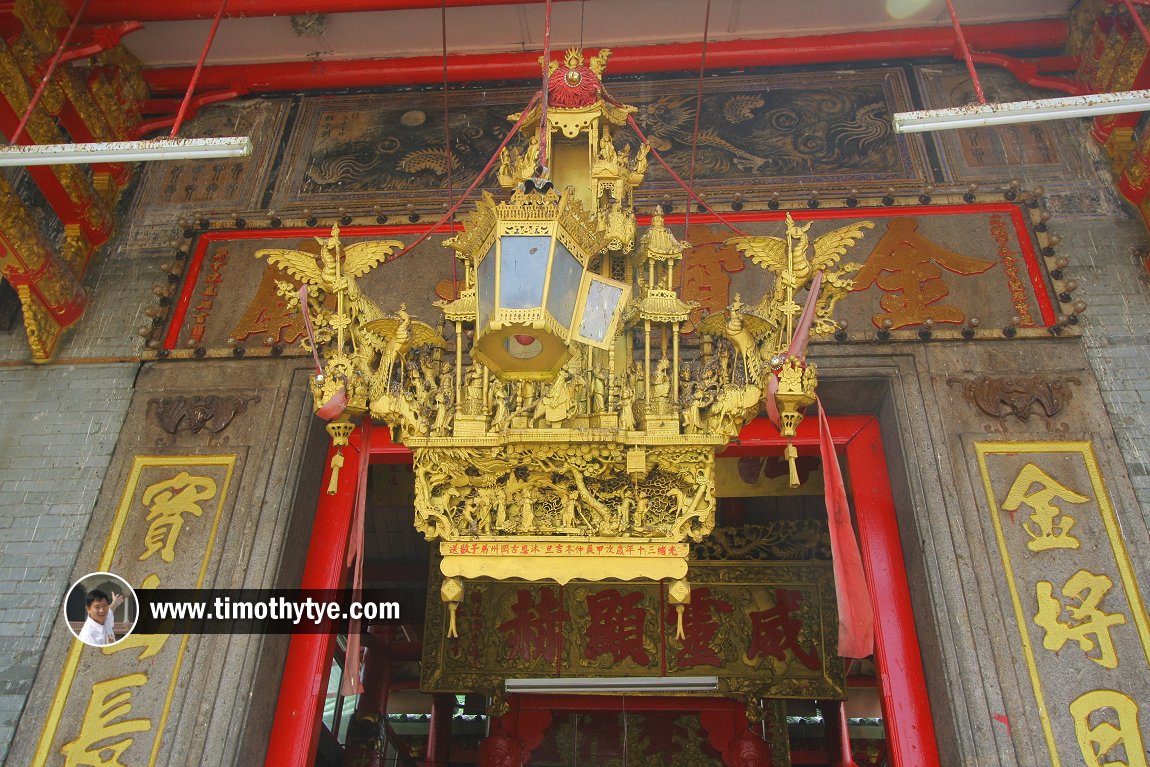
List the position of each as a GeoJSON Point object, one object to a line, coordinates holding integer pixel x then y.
{"type": "Point", "coordinates": [109, 709]}
{"type": "Point", "coordinates": [765, 628]}
{"type": "Point", "coordinates": [1049, 528]}
{"type": "Point", "coordinates": [1079, 612]}
{"type": "Point", "coordinates": [905, 265]}
{"type": "Point", "coordinates": [1084, 591]}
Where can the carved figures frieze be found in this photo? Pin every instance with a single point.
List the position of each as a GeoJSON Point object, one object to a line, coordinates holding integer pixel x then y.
{"type": "Point", "coordinates": [569, 490]}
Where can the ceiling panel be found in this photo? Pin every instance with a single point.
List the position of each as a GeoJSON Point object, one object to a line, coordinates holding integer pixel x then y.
{"type": "Point", "coordinates": [595, 23]}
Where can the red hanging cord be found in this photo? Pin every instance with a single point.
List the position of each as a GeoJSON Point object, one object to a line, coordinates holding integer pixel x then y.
{"type": "Point", "coordinates": [48, 75]}
{"type": "Point", "coordinates": [678, 179]}
{"type": "Point", "coordinates": [447, 144]}
{"type": "Point", "coordinates": [196, 74]}
{"type": "Point", "coordinates": [695, 134]}
{"type": "Point", "coordinates": [544, 129]}
{"type": "Point", "coordinates": [962, 46]}
{"type": "Point", "coordinates": [482, 174]}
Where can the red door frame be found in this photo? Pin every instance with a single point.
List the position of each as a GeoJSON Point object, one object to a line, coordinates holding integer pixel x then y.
{"type": "Point", "coordinates": [906, 708]}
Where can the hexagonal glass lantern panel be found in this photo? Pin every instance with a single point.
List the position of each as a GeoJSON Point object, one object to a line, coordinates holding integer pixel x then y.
{"type": "Point", "coordinates": [528, 286]}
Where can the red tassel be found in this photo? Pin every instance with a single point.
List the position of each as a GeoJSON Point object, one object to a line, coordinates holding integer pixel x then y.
{"type": "Point", "coordinates": [856, 614]}
{"type": "Point", "coordinates": [351, 683]}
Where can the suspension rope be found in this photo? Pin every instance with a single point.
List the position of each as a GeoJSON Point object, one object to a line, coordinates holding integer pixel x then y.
{"type": "Point", "coordinates": [678, 179]}
{"type": "Point", "coordinates": [965, 49]}
{"type": "Point", "coordinates": [198, 70]}
{"type": "Point", "coordinates": [544, 129]}
{"type": "Point", "coordinates": [1138, 20]}
{"type": "Point", "coordinates": [479, 178]}
{"type": "Point", "coordinates": [447, 153]}
{"type": "Point", "coordinates": [51, 70]}
{"type": "Point", "coordinates": [698, 115]}
{"type": "Point", "coordinates": [582, 8]}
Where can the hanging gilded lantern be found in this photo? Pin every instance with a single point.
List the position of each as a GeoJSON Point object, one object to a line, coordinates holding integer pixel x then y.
{"type": "Point", "coordinates": [551, 447]}
{"type": "Point", "coordinates": [533, 290]}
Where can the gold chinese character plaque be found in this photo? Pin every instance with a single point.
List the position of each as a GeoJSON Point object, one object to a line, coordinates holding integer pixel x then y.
{"type": "Point", "coordinates": [1081, 619]}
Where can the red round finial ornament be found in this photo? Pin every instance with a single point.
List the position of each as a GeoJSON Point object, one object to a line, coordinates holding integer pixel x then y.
{"type": "Point", "coordinates": [573, 84]}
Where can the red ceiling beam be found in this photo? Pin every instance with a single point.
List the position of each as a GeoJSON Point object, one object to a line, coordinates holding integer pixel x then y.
{"type": "Point", "coordinates": [792, 51]}
{"type": "Point", "coordinates": [151, 10]}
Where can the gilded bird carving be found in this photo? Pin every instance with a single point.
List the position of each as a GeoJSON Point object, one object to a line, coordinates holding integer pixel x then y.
{"type": "Point", "coordinates": [334, 271]}
{"type": "Point", "coordinates": [789, 257]}
{"type": "Point", "coordinates": [338, 266]}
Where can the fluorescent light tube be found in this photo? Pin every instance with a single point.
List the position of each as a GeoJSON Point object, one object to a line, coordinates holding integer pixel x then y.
{"type": "Point", "coordinates": [126, 151]}
{"type": "Point", "coordinates": [615, 684]}
{"type": "Point", "coordinates": [978, 115]}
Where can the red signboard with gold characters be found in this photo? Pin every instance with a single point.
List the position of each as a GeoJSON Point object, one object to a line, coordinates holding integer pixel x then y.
{"type": "Point", "coordinates": [765, 628]}
{"type": "Point", "coordinates": [936, 265]}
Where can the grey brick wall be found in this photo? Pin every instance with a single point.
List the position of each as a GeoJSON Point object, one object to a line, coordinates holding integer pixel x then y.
{"type": "Point", "coordinates": [1106, 259]}
{"type": "Point", "coordinates": [58, 428]}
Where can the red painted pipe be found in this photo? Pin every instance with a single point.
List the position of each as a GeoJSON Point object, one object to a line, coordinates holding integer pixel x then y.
{"type": "Point", "coordinates": [51, 70]}
{"type": "Point", "coordinates": [1138, 20]}
{"type": "Point", "coordinates": [790, 51]}
{"type": "Point", "coordinates": [198, 70]}
{"type": "Point", "coordinates": [151, 10]}
{"type": "Point", "coordinates": [964, 49]}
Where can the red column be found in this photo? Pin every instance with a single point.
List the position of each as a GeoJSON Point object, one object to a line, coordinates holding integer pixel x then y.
{"type": "Point", "coordinates": [910, 729]}
{"type": "Point", "coordinates": [439, 737]}
{"type": "Point", "coordinates": [294, 735]}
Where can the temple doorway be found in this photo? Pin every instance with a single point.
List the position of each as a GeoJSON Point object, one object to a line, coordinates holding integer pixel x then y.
{"type": "Point", "coordinates": [759, 525]}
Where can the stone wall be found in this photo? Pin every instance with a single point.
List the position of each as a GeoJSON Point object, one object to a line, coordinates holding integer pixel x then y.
{"type": "Point", "coordinates": [58, 428]}
{"type": "Point", "coordinates": [992, 683]}
{"type": "Point", "coordinates": [248, 463]}
{"type": "Point", "coordinates": [1108, 260]}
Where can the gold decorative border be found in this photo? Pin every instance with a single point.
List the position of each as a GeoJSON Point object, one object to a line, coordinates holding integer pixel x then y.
{"type": "Point", "coordinates": [1117, 545]}
{"type": "Point", "coordinates": [127, 498]}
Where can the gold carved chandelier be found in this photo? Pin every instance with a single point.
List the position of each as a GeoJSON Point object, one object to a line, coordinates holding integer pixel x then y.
{"type": "Point", "coordinates": [562, 433]}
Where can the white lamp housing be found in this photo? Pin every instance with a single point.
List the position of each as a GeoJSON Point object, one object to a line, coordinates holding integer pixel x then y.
{"type": "Point", "coordinates": [979, 115]}
{"type": "Point", "coordinates": [126, 151]}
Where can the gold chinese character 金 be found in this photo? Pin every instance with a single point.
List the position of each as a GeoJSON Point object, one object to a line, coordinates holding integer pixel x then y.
{"type": "Point", "coordinates": [168, 501]}
{"type": "Point", "coordinates": [904, 264]}
{"type": "Point", "coordinates": [1106, 722]}
{"type": "Point", "coordinates": [1049, 526]}
{"type": "Point", "coordinates": [1086, 618]}
{"type": "Point", "coordinates": [102, 740]}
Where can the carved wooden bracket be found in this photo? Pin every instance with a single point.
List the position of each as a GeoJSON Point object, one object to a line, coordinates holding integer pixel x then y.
{"type": "Point", "coordinates": [1015, 395]}
{"type": "Point", "coordinates": [198, 413]}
